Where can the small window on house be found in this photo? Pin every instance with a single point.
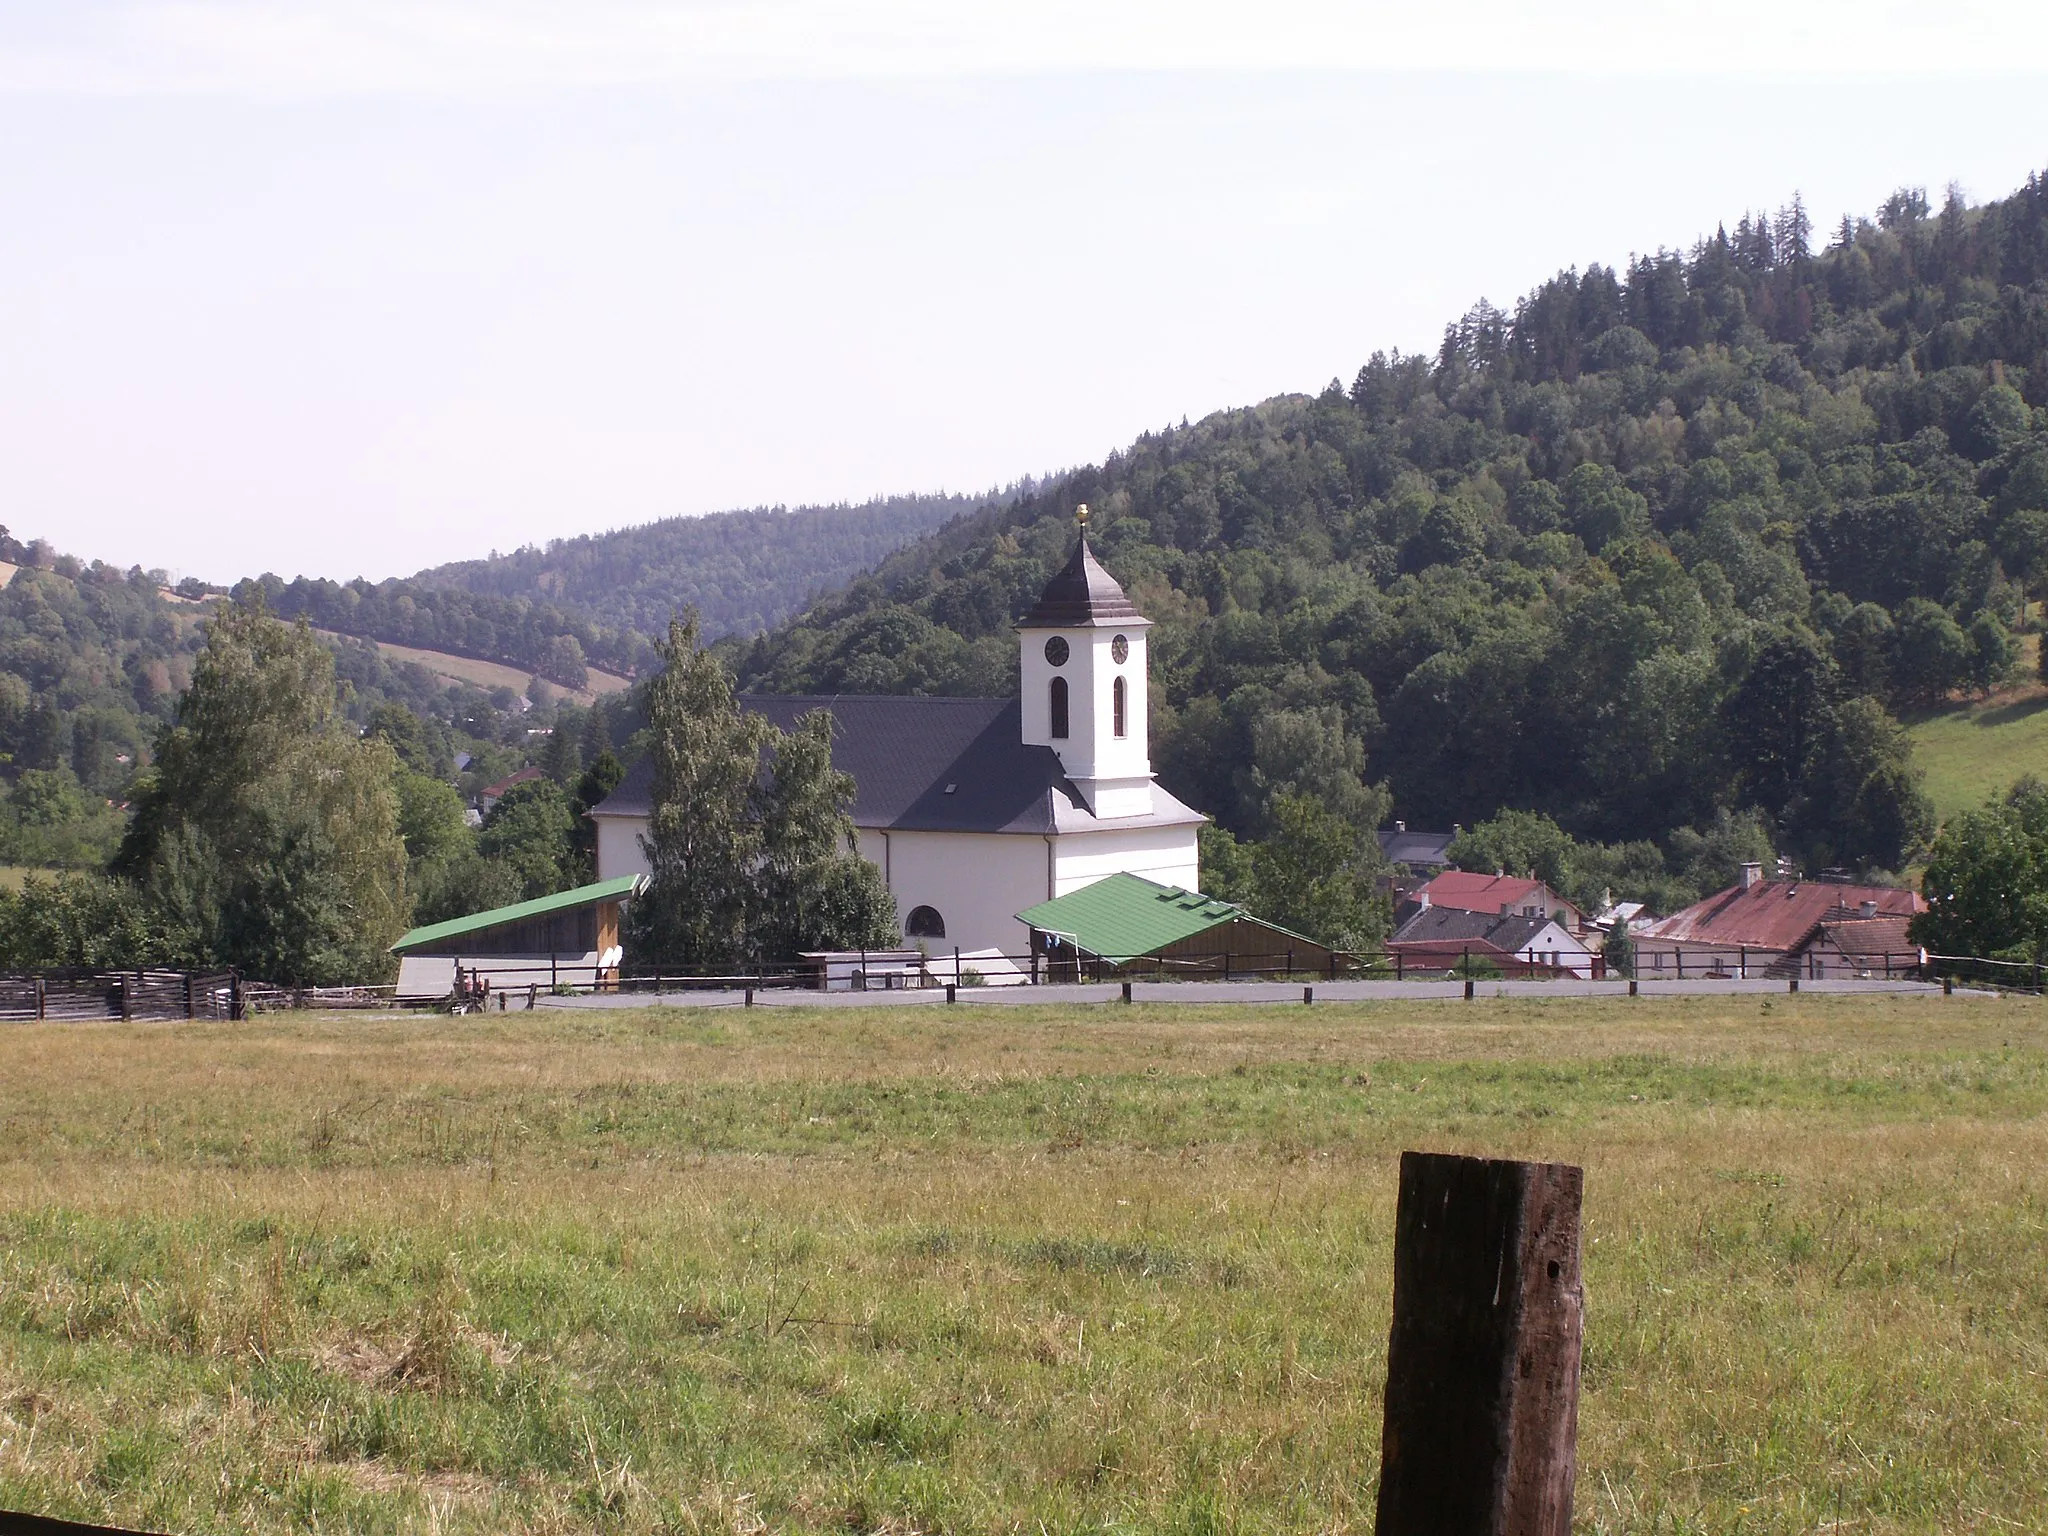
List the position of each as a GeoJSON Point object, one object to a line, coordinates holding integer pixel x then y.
{"type": "Point", "coordinates": [1119, 700]}
{"type": "Point", "coordinates": [924, 923]}
{"type": "Point", "coordinates": [1059, 708]}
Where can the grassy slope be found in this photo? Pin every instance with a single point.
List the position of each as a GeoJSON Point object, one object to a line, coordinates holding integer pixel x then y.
{"type": "Point", "coordinates": [486, 674]}
{"type": "Point", "coordinates": [1976, 751]}
{"type": "Point", "coordinates": [1111, 1269]}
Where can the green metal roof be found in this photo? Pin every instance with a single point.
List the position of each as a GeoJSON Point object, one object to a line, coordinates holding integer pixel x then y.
{"type": "Point", "coordinates": [541, 906]}
{"type": "Point", "coordinates": [1124, 916]}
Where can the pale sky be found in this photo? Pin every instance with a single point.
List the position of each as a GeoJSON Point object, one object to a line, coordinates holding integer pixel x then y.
{"type": "Point", "coordinates": [353, 287]}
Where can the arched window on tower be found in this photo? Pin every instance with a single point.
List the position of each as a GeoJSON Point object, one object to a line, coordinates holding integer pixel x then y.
{"type": "Point", "coordinates": [1119, 707]}
{"type": "Point", "coordinates": [924, 923]}
{"type": "Point", "coordinates": [1059, 708]}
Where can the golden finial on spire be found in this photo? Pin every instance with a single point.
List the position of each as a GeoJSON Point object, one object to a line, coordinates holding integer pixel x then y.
{"type": "Point", "coordinates": [1081, 517]}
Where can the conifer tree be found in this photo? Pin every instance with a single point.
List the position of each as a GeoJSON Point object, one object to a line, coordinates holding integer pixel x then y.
{"type": "Point", "coordinates": [704, 836]}
{"type": "Point", "coordinates": [814, 891]}
{"type": "Point", "coordinates": [746, 866]}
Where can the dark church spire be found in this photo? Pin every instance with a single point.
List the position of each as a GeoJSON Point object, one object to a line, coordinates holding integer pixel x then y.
{"type": "Point", "coordinates": [1083, 595]}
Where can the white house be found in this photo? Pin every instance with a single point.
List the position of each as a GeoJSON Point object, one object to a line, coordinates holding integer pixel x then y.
{"type": "Point", "coordinates": [1520, 945]}
{"type": "Point", "coordinates": [975, 809]}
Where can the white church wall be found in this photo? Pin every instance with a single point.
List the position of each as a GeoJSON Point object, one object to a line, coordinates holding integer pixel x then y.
{"type": "Point", "coordinates": [977, 882]}
{"type": "Point", "coordinates": [618, 846]}
{"type": "Point", "coordinates": [1164, 854]}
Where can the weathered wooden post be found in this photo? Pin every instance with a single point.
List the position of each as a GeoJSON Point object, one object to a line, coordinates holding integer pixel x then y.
{"type": "Point", "coordinates": [1482, 1407]}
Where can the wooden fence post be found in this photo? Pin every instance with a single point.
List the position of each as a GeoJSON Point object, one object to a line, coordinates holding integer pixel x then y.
{"type": "Point", "coordinates": [1481, 1427]}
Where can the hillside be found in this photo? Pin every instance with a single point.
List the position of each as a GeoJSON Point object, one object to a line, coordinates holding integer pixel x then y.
{"type": "Point", "coordinates": [93, 659]}
{"type": "Point", "coordinates": [486, 675]}
{"type": "Point", "coordinates": [1973, 751]}
{"type": "Point", "coordinates": [742, 571]}
{"type": "Point", "coordinates": [1660, 546]}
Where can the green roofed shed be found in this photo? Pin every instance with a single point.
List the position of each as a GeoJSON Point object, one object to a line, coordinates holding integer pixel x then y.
{"type": "Point", "coordinates": [1130, 923]}
{"type": "Point", "coordinates": [459, 935]}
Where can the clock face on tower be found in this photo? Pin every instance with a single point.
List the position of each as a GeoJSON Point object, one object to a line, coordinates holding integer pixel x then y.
{"type": "Point", "coordinates": [1119, 650]}
{"type": "Point", "coordinates": [1056, 650]}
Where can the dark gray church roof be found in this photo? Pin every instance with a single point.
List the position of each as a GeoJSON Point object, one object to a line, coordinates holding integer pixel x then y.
{"type": "Point", "coordinates": [1082, 596]}
{"type": "Point", "coordinates": [903, 754]}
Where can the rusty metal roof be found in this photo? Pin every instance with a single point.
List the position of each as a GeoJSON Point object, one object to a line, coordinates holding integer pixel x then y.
{"type": "Point", "coordinates": [1870, 935]}
{"type": "Point", "coordinates": [1777, 914]}
{"type": "Point", "coordinates": [1468, 892]}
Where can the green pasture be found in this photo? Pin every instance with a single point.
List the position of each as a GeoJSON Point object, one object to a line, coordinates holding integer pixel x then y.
{"type": "Point", "coordinates": [1087, 1269]}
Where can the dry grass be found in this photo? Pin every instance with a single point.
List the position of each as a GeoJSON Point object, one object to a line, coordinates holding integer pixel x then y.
{"type": "Point", "coordinates": [487, 674]}
{"type": "Point", "coordinates": [1000, 1270]}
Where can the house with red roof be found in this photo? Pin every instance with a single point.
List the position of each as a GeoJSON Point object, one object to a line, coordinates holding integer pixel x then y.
{"type": "Point", "coordinates": [1762, 927]}
{"type": "Point", "coordinates": [1496, 895]}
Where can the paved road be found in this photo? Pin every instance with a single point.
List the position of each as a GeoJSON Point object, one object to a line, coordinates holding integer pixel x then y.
{"type": "Point", "coordinates": [1215, 992]}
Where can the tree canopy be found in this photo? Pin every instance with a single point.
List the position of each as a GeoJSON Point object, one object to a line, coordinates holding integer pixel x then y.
{"type": "Point", "coordinates": [267, 836]}
{"type": "Point", "coordinates": [1664, 543]}
{"type": "Point", "coordinates": [750, 841]}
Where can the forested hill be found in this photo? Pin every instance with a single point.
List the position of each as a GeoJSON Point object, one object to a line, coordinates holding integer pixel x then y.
{"type": "Point", "coordinates": [742, 571]}
{"type": "Point", "coordinates": [1660, 545]}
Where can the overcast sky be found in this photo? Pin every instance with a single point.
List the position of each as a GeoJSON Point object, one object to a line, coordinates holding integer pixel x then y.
{"type": "Point", "coordinates": [358, 286]}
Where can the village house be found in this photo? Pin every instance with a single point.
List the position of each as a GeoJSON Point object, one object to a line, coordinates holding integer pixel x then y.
{"type": "Point", "coordinates": [1415, 854]}
{"type": "Point", "coordinates": [1780, 927]}
{"type": "Point", "coordinates": [974, 809]}
{"type": "Point", "coordinates": [1497, 895]}
{"type": "Point", "coordinates": [1860, 948]}
{"type": "Point", "coordinates": [487, 798]}
{"type": "Point", "coordinates": [1519, 944]}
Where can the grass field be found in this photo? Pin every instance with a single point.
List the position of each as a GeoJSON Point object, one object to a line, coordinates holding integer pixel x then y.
{"type": "Point", "coordinates": [1003, 1270]}
{"type": "Point", "coordinates": [487, 674]}
{"type": "Point", "coordinates": [1975, 751]}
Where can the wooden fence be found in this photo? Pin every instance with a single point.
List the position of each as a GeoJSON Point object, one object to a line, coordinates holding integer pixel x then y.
{"type": "Point", "coordinates": [77, 993]}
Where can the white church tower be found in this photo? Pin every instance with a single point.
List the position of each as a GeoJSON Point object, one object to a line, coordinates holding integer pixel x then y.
{"type": "Point", "coordinates": [1082, 651]}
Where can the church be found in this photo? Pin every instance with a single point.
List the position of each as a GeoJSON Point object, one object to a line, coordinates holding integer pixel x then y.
{"type": "Point", "coordinates": [975, 809]}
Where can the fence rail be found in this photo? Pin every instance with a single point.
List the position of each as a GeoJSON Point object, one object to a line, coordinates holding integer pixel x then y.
{"type": "Point", "coordinates": [485, 984]}
{"type": "Point", "coordinates": [514, 984]}
{"type": "Point", "coordinates": [162, 995]}
{"type": "Point", "coordinates": [262, 997]}
{"type": "Point", "coordinates": [149, 995]}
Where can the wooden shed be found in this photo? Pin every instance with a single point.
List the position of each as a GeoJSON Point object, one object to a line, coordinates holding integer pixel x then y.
{"type": "Point", "coordinates": [571, 936]}
{"type": "Point", "coordinates": [1125, 925]}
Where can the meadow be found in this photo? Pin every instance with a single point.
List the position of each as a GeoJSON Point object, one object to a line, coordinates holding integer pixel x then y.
{"type": "Point", "coordinates": [1093, 1269]}
{"type": "Point", "coordinates": [486, 674]}
{"type": "Point", "coordinates": [1973, 752]}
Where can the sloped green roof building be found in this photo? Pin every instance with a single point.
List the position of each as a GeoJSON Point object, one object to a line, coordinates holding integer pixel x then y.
{"type": "Point", "coordinates": [1130, 925]}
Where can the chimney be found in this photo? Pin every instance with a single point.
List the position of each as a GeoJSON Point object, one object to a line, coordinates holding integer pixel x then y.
{"type": "Point", "coordinates": [1400, 826]}
{"type": "Point", "coordinates": [1869, 909]}
{"type": "Point", "coordinates": [1751, 874]}
{"type": "Point", "coordinates": [1424, 895]}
